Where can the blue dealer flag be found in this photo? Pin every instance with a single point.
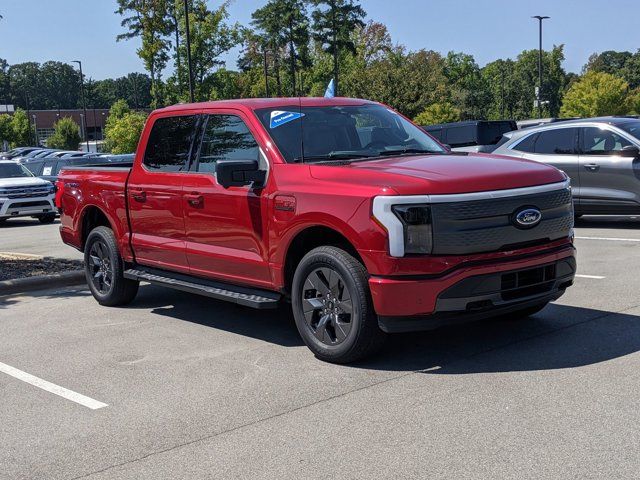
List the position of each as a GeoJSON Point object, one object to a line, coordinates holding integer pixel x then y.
{"type": "Point", "coordinates": [331, 90]}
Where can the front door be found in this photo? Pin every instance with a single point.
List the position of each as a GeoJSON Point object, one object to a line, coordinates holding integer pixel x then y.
{"type": "Point", "coordinates": [609, 181]}
{"type": "Point", "coordinates": [226, 229]}
{"type": "Point", "coordinates": [155, 194]}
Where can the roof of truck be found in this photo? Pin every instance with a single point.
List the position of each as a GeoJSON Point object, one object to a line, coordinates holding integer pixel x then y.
{"type": "Point", "coordinates": [258, 103]}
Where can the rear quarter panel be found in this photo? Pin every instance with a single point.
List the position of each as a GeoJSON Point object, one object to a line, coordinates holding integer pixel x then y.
{"type": "Point", "coordinates": [80, 190]}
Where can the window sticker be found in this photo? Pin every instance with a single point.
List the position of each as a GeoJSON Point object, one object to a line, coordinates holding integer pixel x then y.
{"type": "Point", "coordinates": [278, 118]}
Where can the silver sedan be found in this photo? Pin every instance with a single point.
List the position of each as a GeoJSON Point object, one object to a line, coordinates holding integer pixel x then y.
{"type": "Point", "coordinates": [601, 155]}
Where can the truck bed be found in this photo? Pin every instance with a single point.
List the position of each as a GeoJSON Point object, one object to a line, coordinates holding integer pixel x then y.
{"type": "Point", "coordinates": [88, 189]}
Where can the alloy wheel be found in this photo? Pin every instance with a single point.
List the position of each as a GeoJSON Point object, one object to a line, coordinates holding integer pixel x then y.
{"type": "Point", "coordinates": [327, 306]}
{"type": "Point", "coordinates": [100, 267]}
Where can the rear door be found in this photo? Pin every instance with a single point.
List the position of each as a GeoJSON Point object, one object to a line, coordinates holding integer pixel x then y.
{"type": "Point", "coordinates": [557, 147]}
{"type": "Point", "coordinates": [607, 177]}
{"type": "Point", "coordinates": [226, 229]}
{"type": "Point", "coordinates": [154, 193]}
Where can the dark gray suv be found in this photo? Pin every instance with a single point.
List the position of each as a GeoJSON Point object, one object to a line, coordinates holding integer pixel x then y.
{"type": "Point", "coordinates": [601, 155]}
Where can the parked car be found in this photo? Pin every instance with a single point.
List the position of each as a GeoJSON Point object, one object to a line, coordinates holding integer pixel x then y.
{"type": "Point", "coordinates": [48, 168]}
{"type": "Point", "coordinates": [537, 122]}
{"type": "Point", "coordinates": [17, 152]}
{"type": "Point", "coordinates": [471, 136]}
{"type": "Point", "coordinates": [27, 155]}
{"type": "Point", "coordinates": [23, 195]}
{"type": "Point", "coordinates": [601, 155]}
{"type": "Point", "coordinates": [341, 206]}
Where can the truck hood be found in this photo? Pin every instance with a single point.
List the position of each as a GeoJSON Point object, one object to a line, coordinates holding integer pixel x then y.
{"type": "Point", "coordinates": [443, 174]}
{"type": "Point", "coordinates": [22, 182]}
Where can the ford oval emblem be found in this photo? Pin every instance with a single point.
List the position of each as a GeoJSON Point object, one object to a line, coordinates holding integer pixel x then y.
{"type": "Point", "coordinates": [527, 217]}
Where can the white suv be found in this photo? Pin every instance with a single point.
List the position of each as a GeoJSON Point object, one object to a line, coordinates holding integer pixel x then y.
{"type": "Point", "coordinates": [23, 195]}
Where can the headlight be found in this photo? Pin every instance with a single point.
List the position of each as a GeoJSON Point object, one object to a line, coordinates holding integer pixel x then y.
{"type": "Point", "coordinates": [416, 221]}
{"type": "Point", "coordinates": [407, 220]}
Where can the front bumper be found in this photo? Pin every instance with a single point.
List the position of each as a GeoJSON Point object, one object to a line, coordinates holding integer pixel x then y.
{"type": "Point", "coordinates": [471, 292]}
{"type": "Point", "coordinates": [26, 207]}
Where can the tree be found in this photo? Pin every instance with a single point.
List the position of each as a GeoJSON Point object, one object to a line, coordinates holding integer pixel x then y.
{"type": "Point", "coordinates": [149, 20]}
{"type": "Point", "coordinates": [22, 132]}
{"type": "Point", "coordinates": [469, 91]}
{"type": "Point", "coordinates": [438, 113]}
{"type": "Point", "coordinates": [333, 27]}
{"type": "Point", "coordinates": [122, 134]}
{"type": "Point", "coordinates": [596, 94]}
{"type": "Point", "coordinates": [284, 28]}
{"type": "Point", "coordinates": [66, 135]}
{"type": "Point", "coordinates": [211, 37]}
{"type": "Point", "coordinates": [6, 130]}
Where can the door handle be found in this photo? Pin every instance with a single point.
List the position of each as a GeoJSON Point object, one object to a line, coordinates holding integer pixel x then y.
{"type": "Point", "coordinates": [194, 199]}
{"type": "Point", "coordinates": [592, 167]}
{"type": "Point", "coordinates": [139, 195]}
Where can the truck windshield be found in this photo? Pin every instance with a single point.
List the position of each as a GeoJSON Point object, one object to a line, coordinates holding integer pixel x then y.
{"type": "Point", "coordinates": [343, 133]}
{"type": "Point", "coordinates": [13, 170]}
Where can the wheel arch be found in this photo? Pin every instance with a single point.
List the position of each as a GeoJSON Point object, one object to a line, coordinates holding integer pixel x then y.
{"type": "Point", "coordinates": [93, 216]}
{"type": "Point", "coordinates": [306, 240]}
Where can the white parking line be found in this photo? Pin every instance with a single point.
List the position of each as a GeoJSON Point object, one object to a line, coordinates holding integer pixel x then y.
{"type": "Point", "coordinates": [594, 277]}
{"type": "Point", "coordinates": [51, 387]}
{"type": "Point", "coordinates": [610, 239]}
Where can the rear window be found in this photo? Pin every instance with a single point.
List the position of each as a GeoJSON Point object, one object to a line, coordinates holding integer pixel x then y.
{"type": "Point", "coordinates": [169, 144]}
{"type": "Point", "coordinates": [561, 141]}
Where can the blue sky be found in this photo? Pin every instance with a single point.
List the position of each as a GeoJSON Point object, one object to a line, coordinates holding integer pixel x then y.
{"type": "Point", "coordinates": [40, 30]}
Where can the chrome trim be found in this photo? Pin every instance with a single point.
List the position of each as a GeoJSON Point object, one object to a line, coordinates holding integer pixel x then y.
{"type": "Point", "coordinates": [383, 213]}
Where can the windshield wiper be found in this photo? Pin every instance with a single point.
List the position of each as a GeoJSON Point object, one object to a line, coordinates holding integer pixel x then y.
{"type": "Point", "coordinates": [344, 155]}
{"type": "Point", "coordinates": [402, 151]}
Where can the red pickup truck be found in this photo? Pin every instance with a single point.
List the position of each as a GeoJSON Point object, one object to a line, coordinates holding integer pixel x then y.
{"type": "Point", "coordinates": [343, 207]}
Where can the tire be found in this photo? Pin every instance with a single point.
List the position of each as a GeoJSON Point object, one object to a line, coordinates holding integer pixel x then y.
{"type": "Point", "coordinates": [327, 284]}
{"type": "Point", "coordinates": [47, 218]}
{"type": "Point", "coordinates": [104, 269]}
{"type": "Point", "coordinates": [524, 313]}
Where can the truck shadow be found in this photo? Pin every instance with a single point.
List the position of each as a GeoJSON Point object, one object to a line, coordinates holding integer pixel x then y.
{"type": "Point", "coordinates": [558, 337]}
{"type": "Point", "coordinates": [612, 222]}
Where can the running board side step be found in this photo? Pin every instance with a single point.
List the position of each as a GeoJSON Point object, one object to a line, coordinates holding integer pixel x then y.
{"type": "Point", "coordinates": [250, 297]}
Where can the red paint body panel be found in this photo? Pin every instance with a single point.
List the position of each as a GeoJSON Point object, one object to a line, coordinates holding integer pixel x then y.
{"type": "Point", "coordinates": [243, 236]}
{"type": "Point", "coordinates": [398, 297]}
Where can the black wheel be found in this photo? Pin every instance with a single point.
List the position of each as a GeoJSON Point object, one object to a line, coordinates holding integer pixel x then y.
{"type": "Point", "coordinates": [524, 313]}
{"type": "Point", "coordinates": [47, 218]}
{"type": "Point", "coordinates": [104, 269]}
{"type": "Point", "coordinates": [332, 306]}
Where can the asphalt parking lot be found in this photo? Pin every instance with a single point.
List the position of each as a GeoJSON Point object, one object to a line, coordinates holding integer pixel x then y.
{"type": "Point", "coordinates": [177, 386]}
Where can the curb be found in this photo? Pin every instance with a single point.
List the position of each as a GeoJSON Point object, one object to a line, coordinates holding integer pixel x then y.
{"type": "Point", "coordinates": [42, 282]}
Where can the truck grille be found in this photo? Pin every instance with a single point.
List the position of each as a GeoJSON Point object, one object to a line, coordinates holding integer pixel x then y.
{"type": "Point", "coordinates": [477, 226]}
{"type": "Point", "coordinates": [25, 192]}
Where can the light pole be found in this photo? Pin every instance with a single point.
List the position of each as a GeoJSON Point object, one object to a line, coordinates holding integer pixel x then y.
{"type": "Point", "coordinates": [102, 128]}
{"type": "Point", "coordinates": [266, 71]}
{"type": "Point", "coordinates": [540, 19]}
{"type": "Point", "coordinates": [35, 129]}
{"type": "Point", "coordinates": [188, 38]}
{"type": "Point", "coordinates": [84, 105]}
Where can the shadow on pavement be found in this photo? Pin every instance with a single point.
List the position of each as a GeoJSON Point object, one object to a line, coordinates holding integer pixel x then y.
{"type": "Point", "coordinates": [613, 222]}
{"type": "Point", "coordinates": [24, 222]}
{"type": "Point", "coordinates": [559, 337]}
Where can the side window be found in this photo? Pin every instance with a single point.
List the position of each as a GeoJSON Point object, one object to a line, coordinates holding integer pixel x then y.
{"type": "Point", "coordinates": [34, 167]}
{"type": "Point", "coordinates": [560, 141]}
{"type": "Point", "coordinates": [226, 137]}
{"type": "Point", "coordinates": [49, 168]}
{"type": "Point", "coordinates": [527, 145]}
{"type": "Point", "coordinates": [597, 141]}
{"type": "Point", "coordinates": [169, 144]}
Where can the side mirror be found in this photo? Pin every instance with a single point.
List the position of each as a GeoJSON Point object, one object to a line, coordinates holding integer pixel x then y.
{"type": "Point", "coordinates": [237, 173]}
{"type": "Point", "coordinates": [630, 151]}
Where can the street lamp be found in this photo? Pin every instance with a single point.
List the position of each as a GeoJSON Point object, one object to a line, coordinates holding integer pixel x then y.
{"type": "Point", "coordinates": [35, 129]}
{"type": "Point", "coordinates": [84, 105]}
{"type": "Point", "coordinates": [540, 19]}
